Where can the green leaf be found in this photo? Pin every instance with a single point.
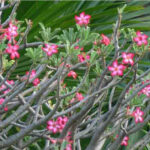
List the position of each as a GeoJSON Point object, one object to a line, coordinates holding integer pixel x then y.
{"type": "Point", "coordinates": [47, 34]}
{"type": "Point", "coordinates": [56, 147]}
{"type": "Point", "coordinates": [134, 138]}
{"type": "Point", "coordinates": [138, 100]}
{"type": "Point", "coordinates": [93, 57]}
{"type": "Point", "coordinates": [2, 46]}
{"type": "Point", "coordinates": [98, 69]}
{"type": "Point", "coordinates": [63, 145]}
{"type": "Point", "coordinates": [68, 36]}
{"type": "Point", "coordinates": [7, 64]}
{"type": "Point", "coordinates": [35, 54]}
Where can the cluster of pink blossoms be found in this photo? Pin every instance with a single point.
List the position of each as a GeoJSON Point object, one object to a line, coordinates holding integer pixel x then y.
{"type": "Point", "coordinates": [140, 39]}
{"type": "Point", "coordinates": [58, 125]}
{"type": "Point", "coordinates": [11, 33]}
{"type": "Point", "coordinates": [138, 116]}
{"type": "Point", "coordinates": [127, 57]}
{"type": "Point", "coordinates": [50, 49]}
{"type": "Point", "coordinates": [69, 141]}
{"type": "Point", "coordinates": [82, 19]}
{"type": "Point", "coordinates": [4, 88]}
{"type": "Point", "coordinates": [116, 69]}
{"type": "Point", "coordinates": [36, 81]}
{"type": "Point", "coordinates": [81, 57]}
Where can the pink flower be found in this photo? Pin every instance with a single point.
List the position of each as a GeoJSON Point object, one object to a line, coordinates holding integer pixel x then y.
{"type": "Point", "coordinates": [36, 81]}
{"type": "Point", "coordinates": [137, 114]}
{"type": "Point", "coordinates": [116, 69]}
{"type": "Point", "coordinates": [72, 100]}
{"type": "Point", "coordinates": [11, 31]}
{"type": "Point", "coordinates": [79, 96]}
{"type": "Point", "coordinates": [32, 75]}
{"type": "Point", "coordinates": [81, 48]}
{"type": "Point", "coordinates": [52, 126]}
{"type": "Point", "coordinates": [83, 57]}
{"type": "Point", "coordinates": [6, 109]}
{"type": "Point", "coordinates": [11, 82]}
{"type": "Point", "coordinates": [3, 86]}
{"type": "Point", "coordinates": [127, 58]}
{"type": "Point", "coordinates": [13, 51]}
{"type": "Point", "coordinates": [61, 121]}
{"type": "Point", "coordinates": [140, 38]}
{"type": "Point", "coordinates": [53, 140]}
{"type": "Point", "coordinates": [50, 49]}
{"type": "Point", "coordinates": [130, 88]}
{"type": "Point", "coordinates": [72, 74]}
{"type": "Point", "coordinates": [105, 40]}
{"type": "Point", "coordinates": [68, 147]}
{"type": "Point", "coordinates": [77, 48]}
{"type": "Point", "coordinates": [95, 42]}
{"type": "Point", "coordinates": [68, 65]}
{"type": "Point", "coordinates": [82, 19]}
{"type": "Point", "coordinates": [58, 125]}
{"type": "Point", "coordinates": [145, 90]}
{"type": "Point", "coordinates": [1, 101]}
{"type": "Point", "coordinates": [125, 141]}
{"type": "Point", "coordinates": [69, 140]}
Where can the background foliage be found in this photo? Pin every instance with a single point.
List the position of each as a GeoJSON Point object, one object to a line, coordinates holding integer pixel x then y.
{"type": "Point", "coordinates": [60, 14]}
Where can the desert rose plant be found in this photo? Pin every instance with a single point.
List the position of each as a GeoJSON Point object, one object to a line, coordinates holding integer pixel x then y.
{"type": "Point", "coordinates": [42, 106]}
